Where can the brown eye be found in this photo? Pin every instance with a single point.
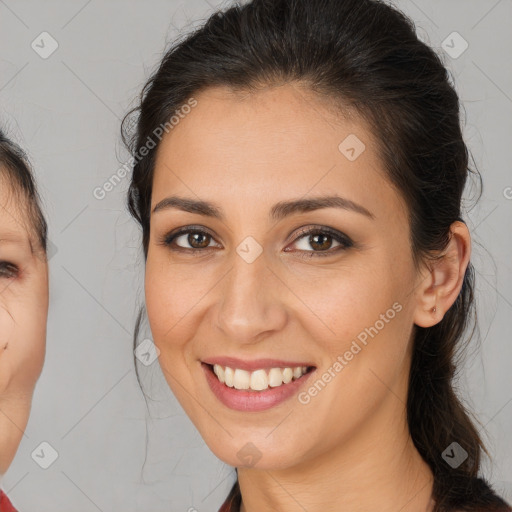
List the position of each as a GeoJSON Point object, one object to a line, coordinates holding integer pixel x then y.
{"type": "Point", "coordinates": [197, 240]}
{"type": "Point", "coordinates": [8, 270]}
{"type": "Point", "coordinates": [321, 240]}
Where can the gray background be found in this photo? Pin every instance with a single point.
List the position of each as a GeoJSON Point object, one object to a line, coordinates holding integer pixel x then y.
{"type": "Point", "coordinates": [66, 111]}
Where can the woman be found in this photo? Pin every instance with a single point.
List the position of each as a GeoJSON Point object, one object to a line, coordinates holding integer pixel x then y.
{"type": "Point", "coordinates": [298, 174]}
{"type": "Point", "coordinates": [23, 299]}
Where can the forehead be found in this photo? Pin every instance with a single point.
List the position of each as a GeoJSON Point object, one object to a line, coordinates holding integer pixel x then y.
{"type": "Point", "coordinates": [14, 218]}
{"type": "Point", "coordinates": [280, 141]}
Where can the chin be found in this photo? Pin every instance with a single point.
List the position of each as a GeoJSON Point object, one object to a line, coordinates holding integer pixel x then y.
{"type": "Point", "coordinates": [255, 452]}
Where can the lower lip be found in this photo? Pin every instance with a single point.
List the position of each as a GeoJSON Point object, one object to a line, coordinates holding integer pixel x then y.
{"type": "Point", "coordinates": [250, 401]}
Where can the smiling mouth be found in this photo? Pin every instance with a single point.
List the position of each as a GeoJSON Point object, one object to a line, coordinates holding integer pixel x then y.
{"type": "Point", "coordinates": [260, 379]}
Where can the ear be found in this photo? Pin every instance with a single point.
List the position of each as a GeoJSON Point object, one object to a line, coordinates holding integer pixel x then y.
{"type": "Point", "coordinates": [440, 286]}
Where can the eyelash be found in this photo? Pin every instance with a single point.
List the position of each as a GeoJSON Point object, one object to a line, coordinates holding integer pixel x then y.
{"type": "Point", "coordinates": [8, 270]}
{"type": "Point", "coordinates": [344, 241]}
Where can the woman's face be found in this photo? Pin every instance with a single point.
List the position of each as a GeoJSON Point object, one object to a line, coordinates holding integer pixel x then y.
{"type": "Point", "coordinates": [257, 294]}
{"type": "Point", "coordinates": [23, 311]}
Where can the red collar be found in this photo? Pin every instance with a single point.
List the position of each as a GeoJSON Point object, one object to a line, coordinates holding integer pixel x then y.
{"type": "Point", "coordinates": [5, 504]}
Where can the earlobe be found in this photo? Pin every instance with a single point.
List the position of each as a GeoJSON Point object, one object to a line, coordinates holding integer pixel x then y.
{"type": "Point", "coordinates": [441, 286]}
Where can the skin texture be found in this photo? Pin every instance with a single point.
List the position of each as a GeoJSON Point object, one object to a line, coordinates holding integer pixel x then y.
{"type": "Point", "coordinates": [23, 312]}
{"type": "Point", "coordinates": [349, 447]}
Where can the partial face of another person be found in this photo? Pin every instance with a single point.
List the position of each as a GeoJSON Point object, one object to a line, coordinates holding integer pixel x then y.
{"type": "Point", "coordinates": [23, 314]}
{"type": "Point", "coordinates": [257, 289]}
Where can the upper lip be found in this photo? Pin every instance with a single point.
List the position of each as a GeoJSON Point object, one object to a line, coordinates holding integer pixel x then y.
{"type": "Point", "coordinates": [254, 364]}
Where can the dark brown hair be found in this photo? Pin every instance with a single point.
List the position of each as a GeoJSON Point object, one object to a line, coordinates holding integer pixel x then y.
{"type": "Point", "coordinates": [15, 170]}
{"type": "Point", "coordinates": [363, 55]}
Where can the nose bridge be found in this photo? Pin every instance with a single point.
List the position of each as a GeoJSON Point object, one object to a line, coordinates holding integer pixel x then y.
{"type": "Point", "coordinates": [250, 303]}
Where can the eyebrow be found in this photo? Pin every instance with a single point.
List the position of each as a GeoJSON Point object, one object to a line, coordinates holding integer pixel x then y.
{"type": "Point", "coordinates": [278, 211]}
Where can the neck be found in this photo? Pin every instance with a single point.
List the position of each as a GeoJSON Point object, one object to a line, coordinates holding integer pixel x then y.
{"type": "Point", "coordinates": [377, 469]}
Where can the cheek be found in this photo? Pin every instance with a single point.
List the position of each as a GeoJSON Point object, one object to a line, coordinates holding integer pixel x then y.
{"type": "Point", "coordinates": [171, 316]}
{"type": "Point", "coordinates": [35, 316]}
{"type": "Point", "coordinates": [23, 333]}
{"type": "Point", "coordinates": [370, 322]}
{"type": "Point", "coordinates": [342, 303]}
{"type": "Point", "coordinates": [6, 346]}
{"type": "Point", "coordinates": [6, 327]}
{"type": "Point", "coordinates": [170, 297]}
{"type": "Point", "coordinates": [362, 322]}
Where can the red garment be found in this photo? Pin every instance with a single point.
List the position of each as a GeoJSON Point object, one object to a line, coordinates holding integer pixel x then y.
{"type": "Point", "coordinates": [5, 504]}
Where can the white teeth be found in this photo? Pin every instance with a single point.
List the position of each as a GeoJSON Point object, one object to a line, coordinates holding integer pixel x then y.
{"type": "Point", "coordinates": [275, 377]}
{"type": "Point", "coordinates": [242, 379]}
{"type": "Point", "coordinates": [228, 376]}
{"type": "Point", "coordinates": [287, 375]}
{"type": "Point", "coordinates": [219, 371]}
{"type": "Point", "coordinates": [257, 380]}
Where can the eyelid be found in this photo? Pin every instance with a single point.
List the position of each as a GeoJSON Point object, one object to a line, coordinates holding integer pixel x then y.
{"type": "Point", "coordinates": [317, 229]}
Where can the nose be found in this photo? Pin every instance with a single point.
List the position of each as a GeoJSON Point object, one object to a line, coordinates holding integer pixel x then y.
{"type": "Point", "coordinates": [252, 302]}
